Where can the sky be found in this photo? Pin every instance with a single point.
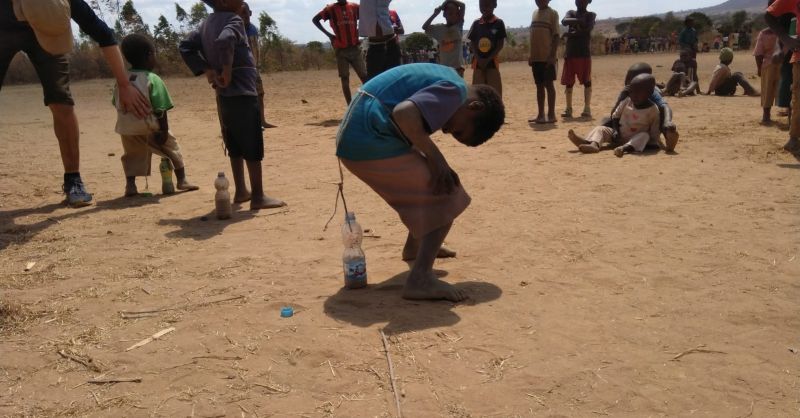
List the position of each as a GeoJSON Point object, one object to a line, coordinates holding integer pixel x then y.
{"type": "Point", "coordinates": [293, 17]}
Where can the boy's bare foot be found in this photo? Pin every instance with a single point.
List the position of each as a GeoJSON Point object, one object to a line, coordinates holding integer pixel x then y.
{"type": "Point", "coordinates": [619, 151]}
{"type": "Point", "coordinates": [131, 190]}
{"type": "Point", "coordinates": [587, 113]}
{"type": "Point", "coordinates": [551, 118]}
{"type": "Point", "coordinates": [589, 148]}
{"type": "Point", "coordinates": [793, 145]}
{"type": "Point", "coordinates": [567, 113]}
{"type": "Point", "coordinates": [672, 140]}
{"type": "Point", "coordinates": [185, 185]}
{"type": "Point", "coordinates": [431, 288]}
{"type": "Point", "coordinates": [539, 119]}
{"type": "Point", "coordinates": [241, 197]}
{"type": "Point", "coordinates": [577, 140]}
{"type": "Point", "coordinates": [410, 253]}
{"type": "Point", "coordinates": [265, 202]}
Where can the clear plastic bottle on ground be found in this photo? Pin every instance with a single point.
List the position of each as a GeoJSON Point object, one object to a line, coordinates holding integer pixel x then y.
{"type": "Point", "coordinates": [353, 259]}
{"type": "Point", "coordinates": [222, 198]}
{"type": "Point", "coordinates": [167, 187]}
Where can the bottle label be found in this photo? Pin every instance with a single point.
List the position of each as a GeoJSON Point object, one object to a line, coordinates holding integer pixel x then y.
{"type": "Point", "coordinates": [355, 270]}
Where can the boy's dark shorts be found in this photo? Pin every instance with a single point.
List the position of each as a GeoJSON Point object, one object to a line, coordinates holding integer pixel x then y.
{"type": "Point", "coordinates": [53, 70]}
{"type": "Point", "coordinates": [240, 120]}
{"type": "Point", "coordinates": [543, 72]}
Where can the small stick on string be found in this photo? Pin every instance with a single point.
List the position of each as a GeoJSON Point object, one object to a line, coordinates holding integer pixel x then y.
{"type": "Point", "coordinates": [339, 193]}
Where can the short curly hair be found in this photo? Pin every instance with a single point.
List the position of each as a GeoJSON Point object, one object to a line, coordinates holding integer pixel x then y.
{"type": "Point", "coordinates": [136, 48]}
{"type": "Point", "coordinates": [489, 121]}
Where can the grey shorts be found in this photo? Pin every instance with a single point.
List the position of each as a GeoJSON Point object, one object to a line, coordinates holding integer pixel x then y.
{"type": "Point", "coordinates": [53, 70]}
{"type": "Point", "coordinates": [350, 56]}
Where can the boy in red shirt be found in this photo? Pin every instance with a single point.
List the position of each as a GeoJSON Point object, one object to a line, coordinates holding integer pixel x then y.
{"type": "Point", "coordinates": [343, 17]}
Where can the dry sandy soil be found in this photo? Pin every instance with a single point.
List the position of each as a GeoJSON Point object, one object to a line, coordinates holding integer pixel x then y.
{"type": "Point", "coordinates": [652, 285]}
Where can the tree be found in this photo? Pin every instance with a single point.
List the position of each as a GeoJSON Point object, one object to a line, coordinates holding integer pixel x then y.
{"type": "Point", "coordinates": [181, 16]}
{"type": "Point", "coordinates": [701, 22]}
{"type": "Point", "coordinates": [267, 27]}
{"type": "Point", "coordinates": [131, 21]}
{"type": "Point", "coordinates": [313, 55]}
{"type": "Point", "coordinates": [418, 41]}
{"type": "Point", "coordinates": [622, 28]}
{"type": "Point", "coordinates": [197, 14]}
{"type": "Point", "coordinates": [738, 19]}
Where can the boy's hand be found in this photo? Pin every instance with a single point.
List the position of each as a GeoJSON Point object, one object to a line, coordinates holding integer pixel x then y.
{"type": "Point", "coordinates": [211, 76]}
{"type": "Point", "coordinates": [160, 137]}
{"type": "Point", "coordinates": [443, 178]}
{"type": "Point", "coordinates": [224, 79]}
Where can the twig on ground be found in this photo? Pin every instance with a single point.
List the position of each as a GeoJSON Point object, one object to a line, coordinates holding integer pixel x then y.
{"type": "Point", "coordinates": [156, 311]}
{"type": "Point", "coordinates": [151, 338]}
{"type": "Point", "coordinates": [391, 374]}
{"type": "Point", "coordinates": [88, 363]}
{"type": "Point", "coordinates": [115, 380]}
{"type": "Point", "coordinates": [698, 349]}
{"type": "Point", "coordinates": [271, 388]}
{"type": "Point", "coordinates": [218, 357]}
{"type": "Point", "coordinates": [331, 366]}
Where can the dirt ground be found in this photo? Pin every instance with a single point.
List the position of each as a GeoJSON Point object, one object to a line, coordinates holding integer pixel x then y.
{"type": "Point", "coordinates": [652, 285]}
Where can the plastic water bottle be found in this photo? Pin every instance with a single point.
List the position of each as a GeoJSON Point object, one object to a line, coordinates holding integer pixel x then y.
{"type": "Point", "coordinates": [222, 199]}
{"type": "Point", "coordinates": [353, 259]}
{"type": "Point", "coordinates": [167, 187]}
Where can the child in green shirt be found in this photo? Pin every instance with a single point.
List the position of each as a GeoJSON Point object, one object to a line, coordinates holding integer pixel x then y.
{"type": "Point", "coordinates": [143, 137]}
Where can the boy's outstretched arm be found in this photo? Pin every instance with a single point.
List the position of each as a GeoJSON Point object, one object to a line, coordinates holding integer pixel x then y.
{"type": "Point", "coordinates": [409, 119]}
{"type": "Point", "coordinates": [666, 112]}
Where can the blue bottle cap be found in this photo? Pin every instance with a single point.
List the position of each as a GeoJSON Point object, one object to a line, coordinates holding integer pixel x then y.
{"type": "Point", "coordinates": [287, 312]}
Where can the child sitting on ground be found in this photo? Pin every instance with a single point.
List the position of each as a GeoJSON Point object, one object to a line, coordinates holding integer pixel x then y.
{"type": "Point", "coordinates": [219, 49]}
{"type": "Point", "coordinates": [668, 127]}
{"type": "Point", "coordinates": [634, 123]}
{"type": "Point", "coordinates": [682, 83]}
{"type": "Point", "coordinates": [723, 82]}
{"type": "Point", "coordinates": [141, 138]}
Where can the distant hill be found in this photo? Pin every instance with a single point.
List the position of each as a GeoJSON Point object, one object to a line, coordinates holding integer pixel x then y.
{"type": "Point", "coordinates": [731, 6]}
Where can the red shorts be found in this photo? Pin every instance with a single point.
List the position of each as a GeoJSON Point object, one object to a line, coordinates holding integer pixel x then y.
{"type": "Point", "coordinates": [576, 67]}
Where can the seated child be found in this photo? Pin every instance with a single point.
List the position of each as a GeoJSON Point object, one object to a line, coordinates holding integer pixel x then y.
{"type": "Point", "coordinates": [723, 83]}
{"type": "Point", "coordinates": [668, 128]}
{"type": "Point", "coordinates": [219, 49]}
{"type": "Point", "coordinates": [682, 82]}
{"type": "Point", "coordinates": [635, 122]}
{"type": "Point", "coordinates": [143, 137]}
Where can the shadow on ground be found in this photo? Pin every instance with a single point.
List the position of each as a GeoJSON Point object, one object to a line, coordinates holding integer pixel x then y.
{"type": "Point", "coordinates": [382, 303]}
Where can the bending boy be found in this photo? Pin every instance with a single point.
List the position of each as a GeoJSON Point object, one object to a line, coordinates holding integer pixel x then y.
{"type": "Point", "coordinates": [385, 140]}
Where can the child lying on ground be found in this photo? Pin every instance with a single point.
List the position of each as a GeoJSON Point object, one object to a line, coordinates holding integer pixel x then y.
{"type": "Point", "coordinates": [634, 123]}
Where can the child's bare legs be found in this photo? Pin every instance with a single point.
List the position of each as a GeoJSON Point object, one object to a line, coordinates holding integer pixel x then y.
{"type": "Point", "coordinates": [130, 186]}
{"type": "Point", "coordinates": [540, 92]}
{"type": "Point", "coordinates": [264, 123]}
{"type": "Point", "coordinates": [551, 101]}
{"type": "Point", "coordinates": [241, 194]}
{"type": "Point", "coordinates": [411, 249]}
{"type": "Point", "coordinates": [258, 199]}
{"type": "Point", "coordinates": [767, 117]}
{"type": "Point", "coordinates": [422, 283]}
{"type": "Point", "coordinates": [183, 184]}
{"type": "Point", "coordinates": [568, 96]}
{"type": "Point", "coordinates": [346, 89]}
{"type": "Point", "coordinates": [623, 149]}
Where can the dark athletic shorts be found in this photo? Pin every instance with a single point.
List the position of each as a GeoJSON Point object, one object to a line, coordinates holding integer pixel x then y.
{"type": "Point", "coordinates": [240, 120]}
{"type": "Point", "coordinates": [53, 70]}
{"type": "Point", "coordinates": [543, 72]}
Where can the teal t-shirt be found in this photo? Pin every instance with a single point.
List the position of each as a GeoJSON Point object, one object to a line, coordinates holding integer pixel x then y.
{"type": "Point", "coordinates": [367, 131]}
